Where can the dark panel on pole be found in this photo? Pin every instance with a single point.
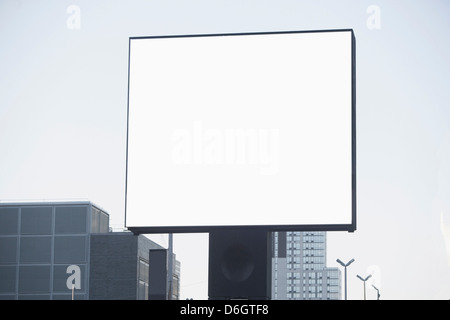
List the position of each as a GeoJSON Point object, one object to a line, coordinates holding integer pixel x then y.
{"type": "Point", "coordinates": [157, 278]}
{"type": "Point", "coordinates": [239, 264]}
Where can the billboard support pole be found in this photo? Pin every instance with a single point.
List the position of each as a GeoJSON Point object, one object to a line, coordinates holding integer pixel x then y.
{"type": "Point", "coordinates": [170, 268]}
{"type": "Point", "coordinates": [240, 264]}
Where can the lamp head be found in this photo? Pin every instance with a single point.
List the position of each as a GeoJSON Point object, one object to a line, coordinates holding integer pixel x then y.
{"type": "Point", "coordinates": [340, 262]}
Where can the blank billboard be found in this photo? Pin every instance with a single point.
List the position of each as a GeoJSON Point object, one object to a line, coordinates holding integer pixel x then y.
{"type": "Point", "coordinates": [232, 130]}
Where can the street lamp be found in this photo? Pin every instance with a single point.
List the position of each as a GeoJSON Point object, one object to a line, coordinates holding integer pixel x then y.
{"type": "Point", "coordinates": [364, 280]}
{"type": "Point", "coordinates": [378, 292]}
{"type": "Point", "coordinates": [345, 265]}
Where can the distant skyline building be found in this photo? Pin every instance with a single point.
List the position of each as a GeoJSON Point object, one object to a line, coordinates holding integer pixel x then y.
{"type": "Point", "coordinates": [299, 270]}
{"type": "Point", "coordinates": [65, 250]}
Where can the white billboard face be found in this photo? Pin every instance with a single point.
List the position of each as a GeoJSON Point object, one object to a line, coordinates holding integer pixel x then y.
{"type": "Point", "coordinates": [241, 130]}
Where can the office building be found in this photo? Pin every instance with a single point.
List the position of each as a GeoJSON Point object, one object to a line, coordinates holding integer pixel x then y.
{"type": "Point", "coordinates": [299, 270]}
{"type": "Point", "coordinates": [65, 250]}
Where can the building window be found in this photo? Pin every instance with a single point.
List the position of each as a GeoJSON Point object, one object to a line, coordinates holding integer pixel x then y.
{"type": "Point", "coordinates": [143, 280]}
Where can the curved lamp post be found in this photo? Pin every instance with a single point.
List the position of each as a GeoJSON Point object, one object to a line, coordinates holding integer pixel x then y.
{"type": "Point", "coordinates": [364, 280]}
{"type": "Point", "coordinates": [345, 265]}
{"type": "Point", "coordinates": [378, 292]}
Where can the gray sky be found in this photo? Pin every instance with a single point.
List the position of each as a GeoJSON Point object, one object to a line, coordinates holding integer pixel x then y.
{"type": "Point", "coordinates": [63, 98]}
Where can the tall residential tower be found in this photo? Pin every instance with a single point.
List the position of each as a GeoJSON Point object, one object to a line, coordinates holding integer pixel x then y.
{"type": "Point", "coordinates": [299, 270]}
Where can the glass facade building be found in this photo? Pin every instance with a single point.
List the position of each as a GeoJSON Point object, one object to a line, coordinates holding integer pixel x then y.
{"type": "Point", "coordinates": [64, 250]}
{"type": "Point", "coordinates": [299, 270]}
